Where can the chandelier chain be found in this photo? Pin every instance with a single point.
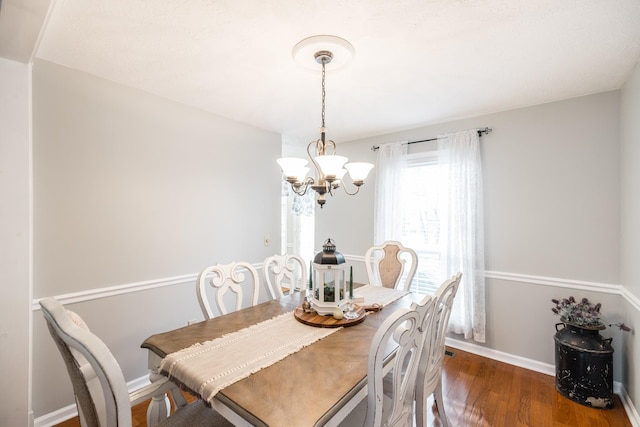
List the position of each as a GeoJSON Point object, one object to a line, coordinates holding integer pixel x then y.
{"type": "Point", "coordinates": [323, 90]}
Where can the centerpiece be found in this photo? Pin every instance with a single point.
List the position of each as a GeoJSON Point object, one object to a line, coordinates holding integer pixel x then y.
{"type": "Point", "coordinates": [329, 286]}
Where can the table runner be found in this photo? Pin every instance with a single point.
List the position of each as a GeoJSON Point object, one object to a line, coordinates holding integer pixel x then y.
{"type": "Point", "coordinates": [378, 295]}
{"type": "Point", "coordinates": [206, 368]}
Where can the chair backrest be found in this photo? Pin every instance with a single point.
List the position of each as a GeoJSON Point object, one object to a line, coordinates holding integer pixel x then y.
{"type": "Point", "coordinates": [284, 273]}
{"type": "Point", "coordinates": [394, 406]}
{"type": "Point", "coordinates": [229, 283]}
{"type": "Point", "coordinates": [387, 265]}
{"type": "Point", "coordinates": [428, 310]}
{"type": "Point", "coordinates": [98, 383]}
{"type": "Point", "coordinates": [430, 367]}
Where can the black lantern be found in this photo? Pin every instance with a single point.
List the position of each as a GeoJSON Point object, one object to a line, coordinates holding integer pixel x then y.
{"type": "Point", "coordinates": [329, 287]}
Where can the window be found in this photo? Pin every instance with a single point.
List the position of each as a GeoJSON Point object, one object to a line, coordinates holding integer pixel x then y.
{"type": "Point", "coordinates": [297, 223]}
{"type": "Point", "coordinates": [433, 204]}
{"type": "Point", "coordinates": [420, 222]}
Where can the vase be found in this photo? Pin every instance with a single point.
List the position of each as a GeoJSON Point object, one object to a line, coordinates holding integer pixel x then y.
{"type": "Point", "coordinates": [584, 365]}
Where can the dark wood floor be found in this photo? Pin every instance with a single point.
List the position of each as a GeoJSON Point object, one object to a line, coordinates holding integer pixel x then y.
{"type": "Point", "coordinates": [484, 392]}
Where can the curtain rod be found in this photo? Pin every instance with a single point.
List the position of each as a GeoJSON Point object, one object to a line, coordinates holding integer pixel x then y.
{"type": "Point", "coordinates": [480, 132]}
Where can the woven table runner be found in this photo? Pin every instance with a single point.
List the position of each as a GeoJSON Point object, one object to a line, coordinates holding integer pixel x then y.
{"type": "Point", "coordinates": [206, 368]}
{"type": "Point", "coordinates": [378, 295]}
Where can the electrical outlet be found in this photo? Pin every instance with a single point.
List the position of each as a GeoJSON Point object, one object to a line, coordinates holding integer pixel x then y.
{"type": "Point", "coordinates": [267, 240]}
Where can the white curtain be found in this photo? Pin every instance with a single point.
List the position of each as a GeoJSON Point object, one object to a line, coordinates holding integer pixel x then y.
{"type": "Point", "coordinates": [297, 223]}
{"type": "Point", "coordinates": [392, 159]}
{"type": "Point", "coordinates": [462, 229]}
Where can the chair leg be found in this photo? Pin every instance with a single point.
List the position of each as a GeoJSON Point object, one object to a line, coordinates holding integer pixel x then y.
{"type": "Point", "coordinates": [83, 422]}
{"type": "Point", "coordinates": [440, 402]}
{"type": "Point", "coordinates": [421, 408]}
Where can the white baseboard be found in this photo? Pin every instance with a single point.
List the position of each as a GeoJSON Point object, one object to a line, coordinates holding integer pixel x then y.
{"type": "Point", "coordinates": [70, 411]}
{"type": "Point", "coordinates": [56, 417]}
{"type": "Point", "coordinates": [511, 359]}
{"type": "Point", "coordinates": [544, 368]}
{"type": "Point", "coordinates": [631, 411]}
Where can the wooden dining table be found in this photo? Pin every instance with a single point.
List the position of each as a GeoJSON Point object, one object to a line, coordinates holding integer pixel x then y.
{"type": "Point", "coordinates": [315, 386]}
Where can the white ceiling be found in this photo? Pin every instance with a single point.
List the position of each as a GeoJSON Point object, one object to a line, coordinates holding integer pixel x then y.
{"type": "Point", "coordinates": [416, 62]}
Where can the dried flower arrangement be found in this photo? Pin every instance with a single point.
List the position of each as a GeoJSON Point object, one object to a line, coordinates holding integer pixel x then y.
{"type": "Point", "coordinates": [581, 313]}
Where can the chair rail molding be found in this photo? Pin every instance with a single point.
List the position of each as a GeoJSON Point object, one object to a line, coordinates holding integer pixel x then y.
{"type": "Point", "coordinates": [555, 281]}
{"type": "Point", "coordinates": [631, 298]}
{"type": "Point", "coordinates": [127, 288]}
{"type": "Point", "coordinates": [98, 293]}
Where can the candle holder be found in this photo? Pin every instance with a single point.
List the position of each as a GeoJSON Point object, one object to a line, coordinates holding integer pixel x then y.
{"type": "Point", "coordinates": [329, 285]}
{"type": "Point", "coordinates": [351, 310]}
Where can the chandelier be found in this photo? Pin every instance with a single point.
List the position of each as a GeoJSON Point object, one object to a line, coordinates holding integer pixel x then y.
{"type": "Point", "coordinates": [329, 167]}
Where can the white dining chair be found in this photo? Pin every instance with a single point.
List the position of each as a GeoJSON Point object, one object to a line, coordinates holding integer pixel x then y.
{"type": "Point", "coordinates": [285, 273]}
{"type": "Point", "coordinates": [391, 265]}
{"type": "Point", "coordinates": [230, 285]}
{"type": "Point", "coordinates": [430, 367]}
{"type": "Point", "coordinates": [98, 383]}
{"type": "Point", "coordinates": [391, 385]}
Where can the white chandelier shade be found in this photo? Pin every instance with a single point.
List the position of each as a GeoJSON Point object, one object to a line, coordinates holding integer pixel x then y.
{"type": "Point", "coordinates": [331, 165]}
{"type": "Point", "coordinates": [293, 167]}
{"type": "Point", "coordinates": [358, 171]}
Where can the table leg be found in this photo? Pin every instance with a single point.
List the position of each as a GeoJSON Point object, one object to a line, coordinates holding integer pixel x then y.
{"type": "Point", "coordinates": [159, 407]}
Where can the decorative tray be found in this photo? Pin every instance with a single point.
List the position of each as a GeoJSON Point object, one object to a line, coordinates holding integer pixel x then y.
{"type": "Point", "coordinates": [315, 319]}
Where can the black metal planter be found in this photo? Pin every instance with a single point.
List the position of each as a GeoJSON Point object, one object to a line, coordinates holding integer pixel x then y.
{"type": "Point", "coordinates": [584, 366]}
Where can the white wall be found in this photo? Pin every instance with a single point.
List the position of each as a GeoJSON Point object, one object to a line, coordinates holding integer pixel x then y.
{"type": "Point", "coordinates": [15, 232]}
{"type": "Point", "coordinates": [631, 182]}
{"type": "Point", "coordinates": [630, 267]}
{"type": "Point", "coordinates": [133, 196]}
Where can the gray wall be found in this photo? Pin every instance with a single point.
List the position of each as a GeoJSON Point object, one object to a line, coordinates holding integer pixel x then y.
{"type": "Point", "coordinates": [630, 267]}
{"type": "Point", "coordinates": [348, 220]}
{"type": "Point", "coordinates": [552, 214]}
{"type": "Point", "coordinates": [552, 189]}
{"type": "Point", "coordinates": [552, 186]}
{"type": "Point", "coordinates": [130, 192]}
{"type": "Point", "coordinates": [139, 188]}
